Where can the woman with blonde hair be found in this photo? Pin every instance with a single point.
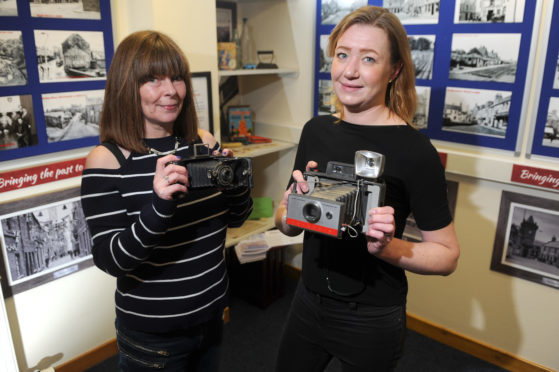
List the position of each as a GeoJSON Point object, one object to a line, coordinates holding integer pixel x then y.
{"type": "Point", "coordinates": [351, 301]}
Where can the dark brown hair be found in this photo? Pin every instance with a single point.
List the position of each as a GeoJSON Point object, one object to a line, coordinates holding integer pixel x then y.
{"type": "Point", "coordinates": [139, 57]}
{"type": "Point", "coordinates": [400, 95]}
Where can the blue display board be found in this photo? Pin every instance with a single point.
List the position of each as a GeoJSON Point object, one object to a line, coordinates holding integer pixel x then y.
{"type": "Point", "coordinates": [54, 58]}
{"type": "Point", "coordinates": [471, 61]}
{"type": "Point", "coordinates": [546, 130]}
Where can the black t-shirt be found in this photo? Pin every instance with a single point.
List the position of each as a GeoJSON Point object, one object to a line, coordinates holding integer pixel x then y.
{"type": "Point", "coordinates": [415, 182]}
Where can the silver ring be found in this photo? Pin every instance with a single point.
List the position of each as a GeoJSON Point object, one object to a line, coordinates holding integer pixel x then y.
{"type": "Point", "coordinates": [167, 179]}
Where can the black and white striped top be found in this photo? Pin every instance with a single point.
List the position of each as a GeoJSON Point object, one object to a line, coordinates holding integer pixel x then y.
{"type": "Point", "coordinates": [167, 255]}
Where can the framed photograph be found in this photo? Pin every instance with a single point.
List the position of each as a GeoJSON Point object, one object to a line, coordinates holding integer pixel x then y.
{"type": "Point", "coordinates": [70, 115]}
{"type": "Point", "coordinates": [324, 62]}
{"type": "Point", "coordinates": [18, 127]}
{"type": "Point", "coordinates": [421, 117]}
{"type": "Point", "coordinates": [42, 238]}
{"type": "Point", "coordinates": [484, 57]}
{"type": "Point", "coordinates": [202, 90]}
{"type": "Point", "coordinates": [423, 54]}
{"type": "Point", "coordinates": [13, 70]}
{"type": "Point", "coordinates": [507, 11]}
{"type": "Point", "coordinates": [551, 130]}
{"type": "Point", "coordinates": [526, 244]}
{"type": "Point", "coordinates": [226, 13]}
{"type": "Point", "coordinates": [70, 55]}
{"type": "Point", "coordinates": [332, 11]}
{"type": "Point", "coordinates": [325, 97]}
{"type": "Point", "coordinates": [79, 9]}
{"type": "Point", "coordinates": [476, 111]}
{"type": "Point", "coordinates": [413, 12]}
{"type": "Point", "coordinates": [8, 8]}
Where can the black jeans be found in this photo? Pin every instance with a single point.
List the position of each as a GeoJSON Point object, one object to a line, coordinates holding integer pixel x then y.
{"type": "Point", "coordinates": [196, 349]}
{"type": "Point", "coordinates": [362, 337]}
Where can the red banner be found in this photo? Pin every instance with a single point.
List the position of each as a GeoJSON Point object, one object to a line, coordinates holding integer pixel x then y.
{"type": "Point", "coordinates": [22, 178]}
{"type": "Point", "coordinates": [535, 176]}
{"type": "Point", "coordinates": [443, 156]}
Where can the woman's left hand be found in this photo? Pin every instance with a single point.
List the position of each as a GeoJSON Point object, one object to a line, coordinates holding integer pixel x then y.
{"type": "Point", "coordinates": [381, 227]}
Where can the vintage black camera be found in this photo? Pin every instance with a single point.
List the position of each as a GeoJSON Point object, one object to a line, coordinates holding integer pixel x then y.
{"type": "Point", "coordinates": [339, 199]}
{"type": "Point", "coordinates": [205, 170]}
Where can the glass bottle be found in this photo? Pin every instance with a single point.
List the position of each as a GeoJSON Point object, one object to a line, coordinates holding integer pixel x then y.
{"type": "Point", "coordinates": [238, 49]}
{"type": "Point", "coordinates": [247, 47]}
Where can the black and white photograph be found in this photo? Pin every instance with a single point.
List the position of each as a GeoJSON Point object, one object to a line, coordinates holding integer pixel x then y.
{"type": "Point", "coordinates": [70, 55]}
{"type": "Point", "coordinates": [484, 57]}
{"type": "Point", "coordinates": [325, 97]}
{"type": "Point", "coordinates": [422, 53]}
{"type": "Point", "coordinates": [526, 241]}
{"type": "Point", "coordinates": [79, 9]}
{"type": "Point", "coordinates": [8, 8]}
{"type": "Point", "coordinates": [556, 79]}
{"type": "Point", "coordinates": [70, 115]}
{"type": "Point", "coordinates": [17, 122]}
{"type": "Point", "coordinates": [226, 20]}
{"type": "Point", "coordinates": [12, 59]}
{"type": "Point", "coordinates": [496, 11]}
{"type": "Point", "coordinates": [332, 11]}
{"type": "Point", "coordinates": [421, 117]}
{"type": "Point", "coordinates": [414, 11]}
{"type": "Point", "coordinates": [324, 60]}
{"type": "Point", "coordinates": [476, 111]}
{"type": "Point", "coordinates": [43, 238]}
{"type": "Point", "coordinates": [412, 232]}
{"type": "Point", "coordinates": [551, 131]}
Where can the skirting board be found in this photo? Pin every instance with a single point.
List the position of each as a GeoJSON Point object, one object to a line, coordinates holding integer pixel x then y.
{"type": "Point", "coordinates": [436, 332]}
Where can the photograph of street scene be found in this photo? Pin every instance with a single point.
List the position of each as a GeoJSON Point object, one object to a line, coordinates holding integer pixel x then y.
{"type": "Point", "coordinates": [80, 9]}
{"type": "Point", "coordinates": [484, 57]}
{"type": "Point", "coordinates": [421, 117]}
{"type": "Point", "coordinates": [531, 240]}
{"type": "Point", "coordinates": [551, 131]}
{"type": "Point", "coordinates": [12, 59]}
{"type": "Point", "coordinates": [495, 11]}
{"type": "Point", "coordinates": [422, 53]}
{"type": "Point", "coordinates": [332, 11]}
{"type": "Point", "coordinates": [44, 239]}
{"type": "Point", "coordinates": [70, 55]}
{"type": "Point", "coordinates": [70, 115]}
{"type": "Point", "coordinates": [8, 8]}
{"type": "Point", "coordinates": [325, 62]}
{"type": "Point", "coordinates": [414, 11]}
{"type": "Point", "coordinates": [476, 111]}
{"type": "Point", "coordinates": [17, 122]}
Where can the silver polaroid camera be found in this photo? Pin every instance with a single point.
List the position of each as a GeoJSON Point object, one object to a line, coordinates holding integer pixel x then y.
{"type": "Point", "coordinates": [339, 199]}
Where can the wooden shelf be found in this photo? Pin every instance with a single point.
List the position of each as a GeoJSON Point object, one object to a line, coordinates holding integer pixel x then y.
{"type": "Point", "coordinates": [259, 149]}
{"type": "Point", "coordinates": [262, 71]}
{"type": "Point", "coordinates": [250, 227]}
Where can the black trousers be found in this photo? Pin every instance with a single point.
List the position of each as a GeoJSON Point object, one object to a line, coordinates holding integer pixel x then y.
{"type": "Point", "coordinates": [362, 337]}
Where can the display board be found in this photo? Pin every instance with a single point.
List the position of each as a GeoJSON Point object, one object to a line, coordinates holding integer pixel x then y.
{"type": "Point", "coordinates": [472, 59]}
{"type": "Point", "coordinates": [54, 57]}
{"type": "Point", "coordinates": [546, 131]}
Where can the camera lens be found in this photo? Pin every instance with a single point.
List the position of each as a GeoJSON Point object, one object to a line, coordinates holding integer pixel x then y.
{"type": "Point", "coordinates": [224, 175]}
{"type": "Point", "coordinates": [312, 212]}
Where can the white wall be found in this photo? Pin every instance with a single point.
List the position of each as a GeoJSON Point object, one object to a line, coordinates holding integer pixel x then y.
{"type": "Point", "coordinates": [63, 319]}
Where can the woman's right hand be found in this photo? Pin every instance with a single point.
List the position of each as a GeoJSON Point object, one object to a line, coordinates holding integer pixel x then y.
{"type": "Point", "coordinates": [169, 178]}
{"type": "Point", "coordinates": [300, 186]}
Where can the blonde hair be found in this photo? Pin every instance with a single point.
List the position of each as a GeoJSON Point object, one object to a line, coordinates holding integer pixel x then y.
{"type": "Point", "coordinates": [139, 57]}
{"type": "Point", "coordinates": [401, 97]}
